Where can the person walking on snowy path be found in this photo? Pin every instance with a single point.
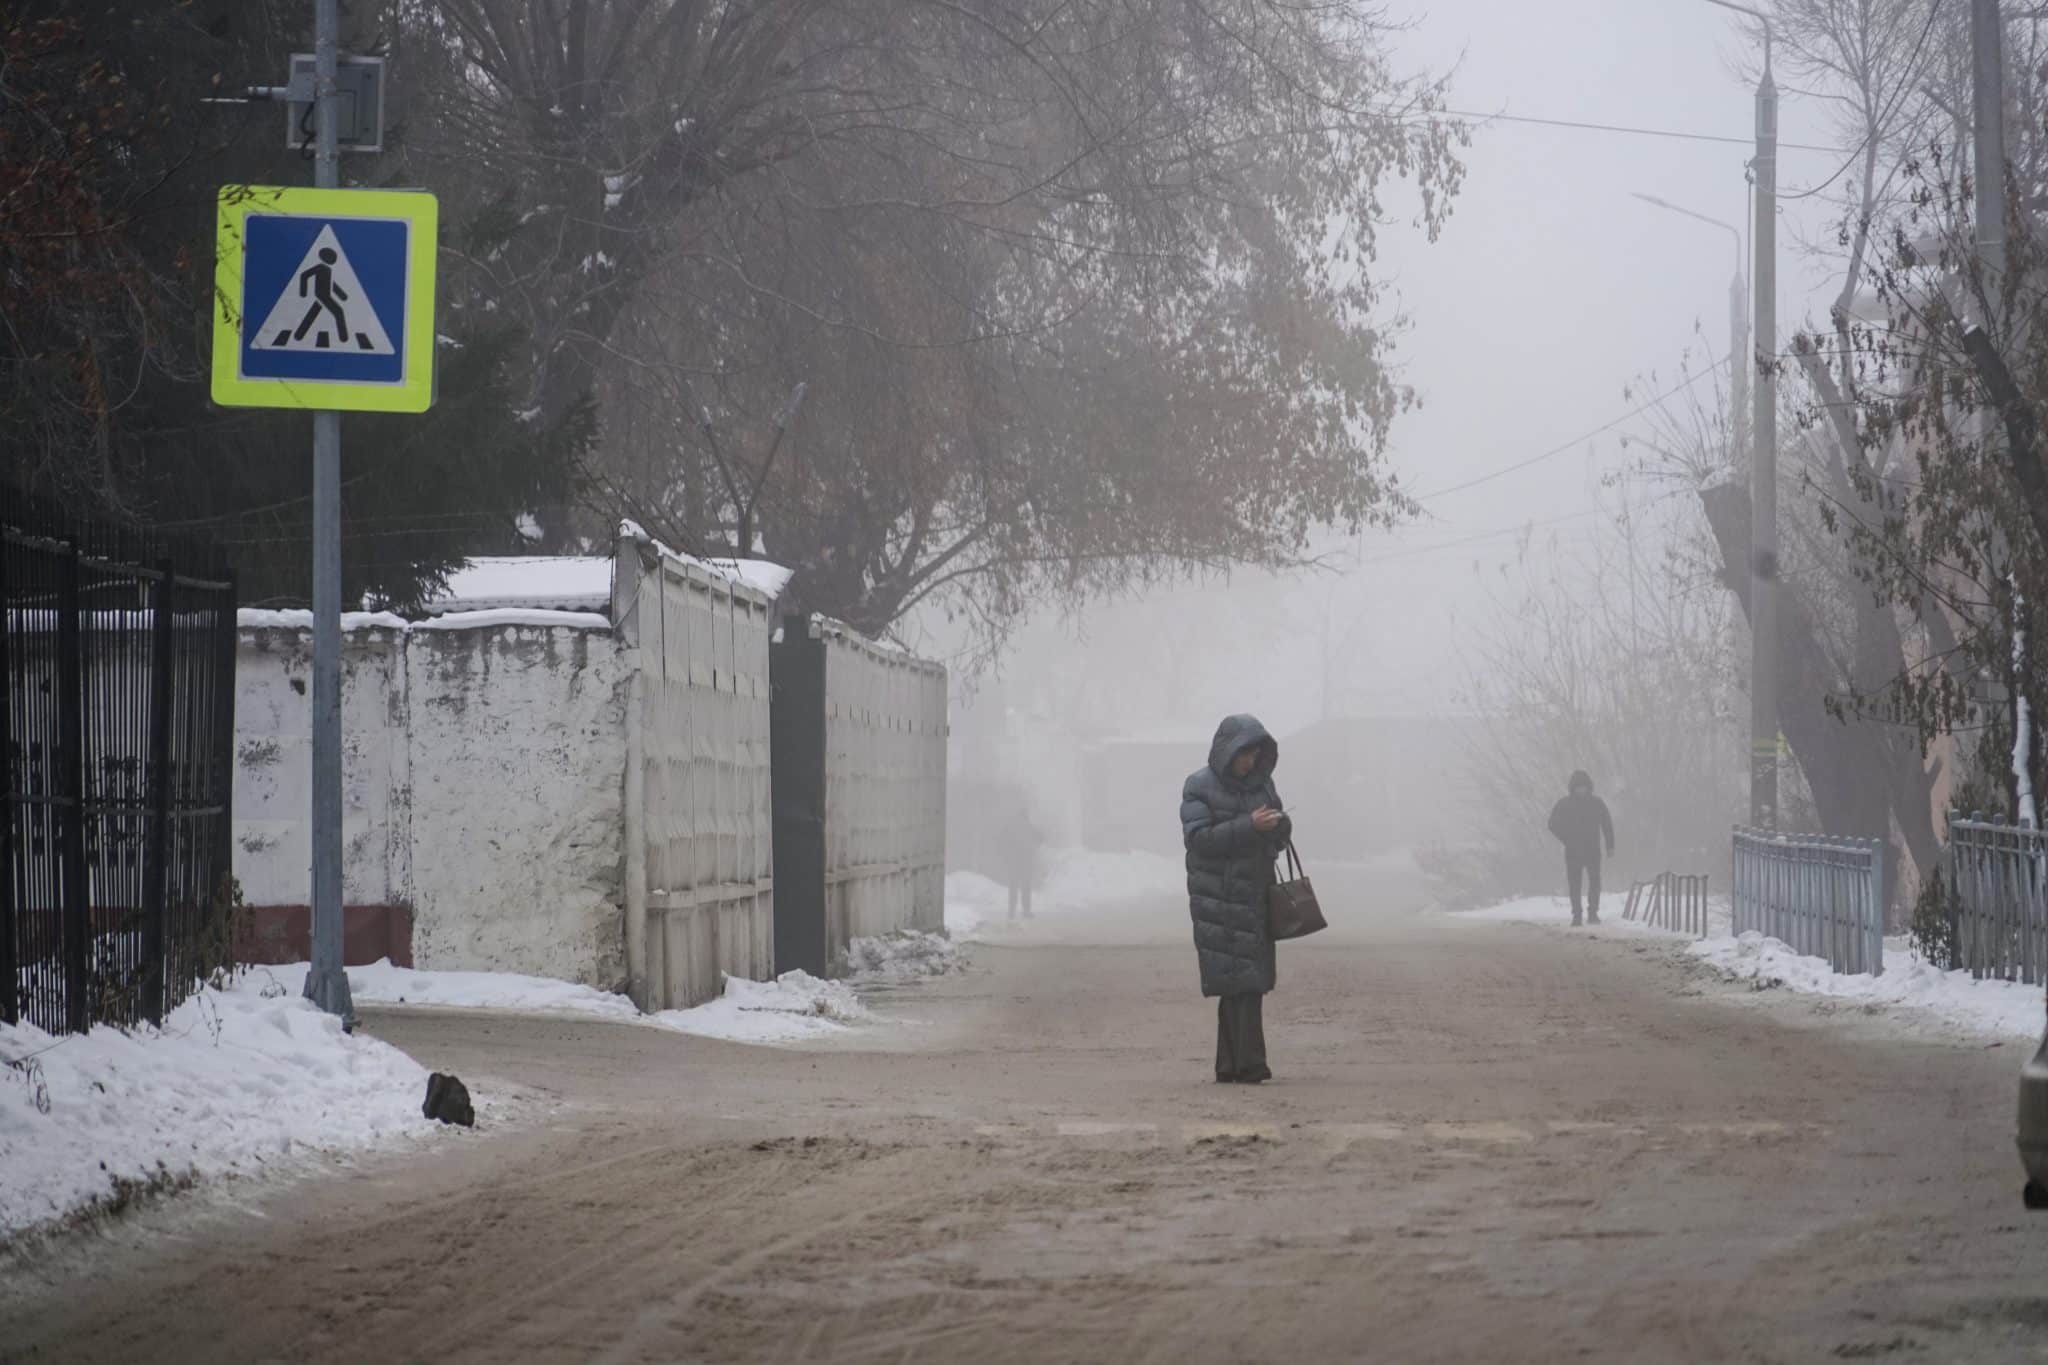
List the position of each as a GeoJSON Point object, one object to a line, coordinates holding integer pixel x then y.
{"type": "Point", "coordinates": [1580, 821]}
{"type": "Point", "coordinates": [1233, 828]}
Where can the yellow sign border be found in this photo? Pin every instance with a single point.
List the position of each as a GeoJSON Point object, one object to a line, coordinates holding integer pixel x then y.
{"type": "Point", "coordinates": [415, 393]}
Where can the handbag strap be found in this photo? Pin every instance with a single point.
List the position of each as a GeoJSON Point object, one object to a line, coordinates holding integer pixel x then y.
{"type": "Point", "coordinates": [1293, 861]}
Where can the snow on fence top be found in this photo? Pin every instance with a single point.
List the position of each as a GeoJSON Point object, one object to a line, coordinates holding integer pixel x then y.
{"type": "Point", "coordinates": [760, 577]}
{"type": "Point", "coordinates": [250, 618]}
{"type": "Point", "coordinates": [881, 651]}
{"type": "Point", "coordinates": [557, 582]}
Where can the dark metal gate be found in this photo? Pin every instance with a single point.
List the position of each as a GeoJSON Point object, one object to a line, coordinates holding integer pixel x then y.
{"type": "Point", "coordinates": [796, 753]}
{"type": "Point", "coordinates": [116, 765]}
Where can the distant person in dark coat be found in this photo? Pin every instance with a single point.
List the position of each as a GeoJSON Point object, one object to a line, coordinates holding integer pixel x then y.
{"type": "Point", "coordinates": [1021, 841]}
{"type": "Point", "coordinates": [1581, 823]}
{"type": "Point", "coordinates": [1232, 825]}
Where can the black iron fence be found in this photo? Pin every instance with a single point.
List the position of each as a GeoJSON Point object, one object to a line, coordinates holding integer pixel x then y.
{"type": "Point", "coordinates": [116, 764]}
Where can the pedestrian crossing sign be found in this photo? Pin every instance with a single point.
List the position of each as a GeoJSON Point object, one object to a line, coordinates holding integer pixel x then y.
{"type": "Point", "coordinates": [324, 299]}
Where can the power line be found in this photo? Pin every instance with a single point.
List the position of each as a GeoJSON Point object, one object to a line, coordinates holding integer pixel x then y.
{"type": "Point", "coordinates": [1478, 536]}
{"type": "Point", "coordinates": [1575, 441]}
{"type": "Point", "coordinates": [1905, 83]}
{"type": "Point", "coordinates": [1631, 129]}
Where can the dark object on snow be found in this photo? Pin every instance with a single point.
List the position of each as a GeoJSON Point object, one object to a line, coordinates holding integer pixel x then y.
{"type": "Point", "coordinates": [1230, 864]}
{"type": "Point", "coordinates": [1292, 910]}
{"type": "Point", "coordinates": [448, 1101]}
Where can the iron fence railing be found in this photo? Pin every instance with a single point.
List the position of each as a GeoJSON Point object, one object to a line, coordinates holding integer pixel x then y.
{"type": "Point", "coordinates": [1820, 895]}
{"type": "Point", "coordinates": [1670, 900]}
{"type": "Point", "coordinates": [116, 749]}
{"type": "Point", "coordinates": [1998, 901]}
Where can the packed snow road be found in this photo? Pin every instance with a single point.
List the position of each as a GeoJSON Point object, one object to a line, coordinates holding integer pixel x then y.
{"type": "Point", "coordinates": [1486, 1142]}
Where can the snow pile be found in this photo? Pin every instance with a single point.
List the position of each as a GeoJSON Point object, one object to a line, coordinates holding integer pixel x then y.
{"type": "Point", "coordinates": [792, 1008]}
{"type": "Point", "coordinates": [902, 957]}
{"type": "Point", "coordinates": [972, 900]}
{"type": "Point", "coordinates": [234, 1083]}
{"type": "Point", "coordinates": [1909, 982]}
{"type": "Point", "coordinates": [384, 984]}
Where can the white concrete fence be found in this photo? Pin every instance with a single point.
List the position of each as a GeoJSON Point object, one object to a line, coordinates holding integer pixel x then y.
{"type": "Point", "coordinates": [582, 795]}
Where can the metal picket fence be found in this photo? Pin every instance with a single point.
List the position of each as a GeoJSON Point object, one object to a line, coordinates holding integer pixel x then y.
{"type": "Point", "coordinates": [1671, 900]}
{"type": "Point", "coordinates": [1820, 895]}
{"type": "Point", "coordinates": [116, 752]}
{"type": "Point", "coordinates": [1998, 902]}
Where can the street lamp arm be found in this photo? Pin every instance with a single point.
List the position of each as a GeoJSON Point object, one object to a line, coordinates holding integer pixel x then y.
{"type": "Point", "coordinates": [1757, 15]}
{"type": "Point", "coordinates": [1728, 228]}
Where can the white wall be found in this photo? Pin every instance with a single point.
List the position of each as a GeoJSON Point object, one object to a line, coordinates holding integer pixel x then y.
{"type": "Point", "coordinates": [481, 787]}
{"type": "Point", "coordinates": [701, 901]}
{"type": "Point", "coordinates": [885, 790]}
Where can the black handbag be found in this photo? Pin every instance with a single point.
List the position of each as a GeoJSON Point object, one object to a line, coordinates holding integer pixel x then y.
{"type": "Point", "coordinates": [1291, 907]}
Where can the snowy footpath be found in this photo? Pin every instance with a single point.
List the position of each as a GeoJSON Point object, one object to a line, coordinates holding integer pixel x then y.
{"type": "Point", "coordinates": [254, 1080]}
{"type": "Point", "coordinates": [1911, 989]}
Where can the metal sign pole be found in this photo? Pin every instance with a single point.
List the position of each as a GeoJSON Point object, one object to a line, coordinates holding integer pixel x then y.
{"type": "Point", "coordinates": [327, 982]}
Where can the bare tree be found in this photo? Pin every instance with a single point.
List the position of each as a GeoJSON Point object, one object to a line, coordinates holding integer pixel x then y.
{"type": "Point", "coordinates": [1080, 291]}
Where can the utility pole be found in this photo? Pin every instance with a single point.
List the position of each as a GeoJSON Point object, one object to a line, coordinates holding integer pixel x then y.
{"type": "Point", "coordinates": [1987, 62]}
{"type": "Point", "coordinates": [1987, 70]}
{"type": "Point", "coordinates": [1763, 464]}
{"type": "Point", "coordinates": [327, 982]}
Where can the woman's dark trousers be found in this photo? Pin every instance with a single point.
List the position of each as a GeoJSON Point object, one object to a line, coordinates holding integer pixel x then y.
{"type": "Point", "coordinates": [1240, 1038]}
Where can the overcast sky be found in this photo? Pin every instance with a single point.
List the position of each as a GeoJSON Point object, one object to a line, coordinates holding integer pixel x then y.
{"type": "Point", "coordinates": [1550, 290]}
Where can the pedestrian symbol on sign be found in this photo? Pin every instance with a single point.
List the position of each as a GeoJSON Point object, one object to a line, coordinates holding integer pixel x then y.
{"type": "Point", "coordinates": [324, 299]}
{"type": "Point", "coordinates": [324, 309]}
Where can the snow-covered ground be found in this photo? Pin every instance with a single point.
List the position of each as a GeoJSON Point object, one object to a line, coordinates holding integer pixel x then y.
{"type": "Point", "coordinates": [383, 984]}
{"type": "Point", "coordinates": [1556, 911]}
{"type": "Point", "coordinates": [790, 1009]}
{"type": "Point", "coordinates": [1909, 983]}
{"type": "Point", "coordinates": [793, 1008]}
{"type": "Point", "coordinates": [236, 1083]}
{"type": "Point", "coordinates": [1910, 987]}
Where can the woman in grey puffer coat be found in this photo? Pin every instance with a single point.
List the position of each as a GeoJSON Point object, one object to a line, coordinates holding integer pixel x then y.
{"type": "Point", "coordinates": [1232, 824]}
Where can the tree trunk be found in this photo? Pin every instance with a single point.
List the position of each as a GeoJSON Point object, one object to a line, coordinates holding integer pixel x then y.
{"type": "Point", "coordinates": [1862, 778]}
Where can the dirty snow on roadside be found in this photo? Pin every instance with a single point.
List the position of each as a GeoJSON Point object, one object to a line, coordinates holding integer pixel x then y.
{"type": "Point", "coordinates": [1910, 986]}
{"type": "Point", "coordinates": [792, 1008]}
{"type": "Point", "coordinates": [1556, 912]}
{"type": "Point", "coordinates": [908, 956]}
{"type": "Point", "coordinates": [236, 1083]}
{"type": "Point", "coordinates": [1909, 983]}
{"type": "Point", "coordinates": [383, 984]}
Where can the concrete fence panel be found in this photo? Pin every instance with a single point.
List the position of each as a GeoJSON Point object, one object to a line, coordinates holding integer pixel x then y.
{"type": "Point", "coordinates": [700, 872]}
{"type": "Point", "coordinates": [480, 791]}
